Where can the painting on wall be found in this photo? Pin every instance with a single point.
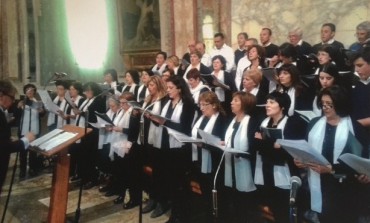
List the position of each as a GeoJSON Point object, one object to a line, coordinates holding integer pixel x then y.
{"type": "Point", "coordinates": [139, 25]}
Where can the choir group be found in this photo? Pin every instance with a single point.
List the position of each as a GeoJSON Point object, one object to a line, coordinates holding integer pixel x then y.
{"type": "Point", "coordinates": [233, 96]}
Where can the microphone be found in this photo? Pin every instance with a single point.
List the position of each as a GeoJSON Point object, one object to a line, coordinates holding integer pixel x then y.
{"type": "Point", "coordinates": [295, 183]}
{"type": "Point", "coordinates": [86, 119]}
{"type": "Point", "coordinates": [214, 190]}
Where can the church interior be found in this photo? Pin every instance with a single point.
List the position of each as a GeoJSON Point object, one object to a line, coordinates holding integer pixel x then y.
{"type": "Point", "coordinates": [42, 39]}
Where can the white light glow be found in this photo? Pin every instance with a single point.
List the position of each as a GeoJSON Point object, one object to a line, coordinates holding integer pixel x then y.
{"type": "Point", "coordinates": [88, 31]}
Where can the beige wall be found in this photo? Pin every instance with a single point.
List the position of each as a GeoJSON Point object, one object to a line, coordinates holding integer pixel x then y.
{"type": "Point", "coordinates": [283, 15]}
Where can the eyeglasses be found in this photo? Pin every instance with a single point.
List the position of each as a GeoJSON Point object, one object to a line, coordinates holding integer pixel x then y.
{"type": "Point", "coordinates": [204, 104]}
{"type": "Point", "coordinates": [326, 106]}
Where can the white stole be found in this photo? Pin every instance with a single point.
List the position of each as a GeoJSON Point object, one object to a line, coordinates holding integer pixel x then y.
{"type": "Point", "coordinates": [76, 102]}
{"type": "Point", "coordinates": [315, 108]}
{"type": "Point", "coordinates": [291, 93]}
{"type": "Point", "coordinates": [30, 120]}
{"type": "Point", "coordinates": [243, 169]}
{"type": "Point", "coordinates": [206, 166]}
{"type": "Point", "coordinates": [51, 116]}
{"type": "Point", "coordinates": [281, 173]}
{"type": "Point", "coordinates": [132, 88]}
{"type": "Point", "coordinates": [153, 129]}
{"type": "Point", "coordinates": [316, 139]}
{"type": "Point", "coordinates": [119, 143]}
{"type": "Point", "coordinates": [196, 91]}
{"type": "Point", "coordinates": [218, 90]}
{"type": "Point", "coordinates": [174, 118]}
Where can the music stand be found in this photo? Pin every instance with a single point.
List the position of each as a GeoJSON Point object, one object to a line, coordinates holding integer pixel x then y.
{"type": "Point", "coordinates": [60, 181]}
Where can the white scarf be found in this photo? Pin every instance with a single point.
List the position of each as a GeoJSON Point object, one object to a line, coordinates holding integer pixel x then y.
{"type": "Point", "coordinates": [84, 106]}
{"type": "Point", "coordinates": [138, 92]}
{"type": "Point", "coordinates": [119, 143]}
{"type": "Point", "coordinates": [51, 116]}
{"type": "Point", "coordinates": [30, 120]}
{"type": "Point", "coordinates": [153, 129]}
{"type": "Point", "coordinates": [315, 108]}
{"type": "Point", "coordinates": [105, 137]}
{"type": "Point", "coordinates": [316, 139]}
{"type": "Point", "coordinates": [243, 169]}
{"type": "Point", "coordinates": [291, 93]}
{"type": "Point", "coordinates": [76, 102]}
{"type": "Point", "coordinates": [132, 88]}
{"type": "Point", "coordinates": [174, 118]}
{"type": "Point", "coordinates": [281, 173]}
{"type": "Point", "coordinates": [196, 91]}
{"type": "Point", "coordinates": [218, 90]}
{"type": "Point", "coordinates": [206, 154]}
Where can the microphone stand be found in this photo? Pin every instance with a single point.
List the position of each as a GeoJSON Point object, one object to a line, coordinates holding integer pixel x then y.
{"type": "Point", "coordinates": [142, 175]}
{"type": "Point", "coordinates": [293, 213]}
{"type": "Point", "coordinates": [214, 190]}
{"type": "Point", "coordinates": [78, 209]}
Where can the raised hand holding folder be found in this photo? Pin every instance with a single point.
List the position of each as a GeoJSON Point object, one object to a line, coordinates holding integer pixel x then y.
{"type": "Point", "coordinates": [302, 151]}
{"type": "Point", "coordinates": [358, 164]}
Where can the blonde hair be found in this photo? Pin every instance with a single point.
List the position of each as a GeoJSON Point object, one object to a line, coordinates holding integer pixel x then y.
{"type": "Point", "coordinates": [161, 87]}
{"type": "Point", "coordinates": [254, 74]}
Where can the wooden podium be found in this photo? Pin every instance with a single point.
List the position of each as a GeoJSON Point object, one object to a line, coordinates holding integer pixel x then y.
{"type": "Point", "coordinates": [59, 189]}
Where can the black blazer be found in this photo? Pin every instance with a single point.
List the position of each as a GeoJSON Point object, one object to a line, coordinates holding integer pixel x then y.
{"type": "Point", "coordinates": [7, 147]}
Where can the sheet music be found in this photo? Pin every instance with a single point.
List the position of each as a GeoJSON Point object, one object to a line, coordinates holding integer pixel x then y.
{"type": "Point", "coordinates": [101, 123]}
{"type": "Point", "coordinates": [181, 137]}
{"type": "Point", "coordinates": [46, 137]}
{"type": "Point", "coordinates": [307, 115]}
{"type": "Point", "coordinates": [57, 140]}
{"type": "Point", "coordinates": [302, 151]}
{"type": "Point", "coordinates": [216, 142]}
{"type": "Point", "coordinates": [49, 104]}
{"type": "Point", "coordinates": [104, 118]}
{"type": "Point", "coordinates": [359, 164]}
{"type": "Point", "coordinates": [270, 74]}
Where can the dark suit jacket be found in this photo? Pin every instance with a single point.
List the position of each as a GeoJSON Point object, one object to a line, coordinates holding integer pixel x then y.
{"type": "Point", "coordinates": [6, 147]}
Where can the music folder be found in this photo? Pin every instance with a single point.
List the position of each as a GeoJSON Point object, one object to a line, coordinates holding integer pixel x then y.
{"type": "Point", "coordinates": [302, 151]}
{"type": "Point", "coordinates": [51, 140]}
{"type": "Point", "coordinates": [270, 74]}
{"type": "Point", "coordinates": [104, 117]}
{"type": "Point", "coordinates": [307, 115]}
{"type": "Point", "coordinates": [212, 81]}
{"type": "Point", "coordinates": [356, 164]}
{"type": "Point", "coordinates": [271, 133]}
{"type": "Point", "coordinates": [48, 103]}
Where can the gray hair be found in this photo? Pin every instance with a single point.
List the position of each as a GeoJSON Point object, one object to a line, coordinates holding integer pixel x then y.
{"type": "Point", "coordinates": [297, 31]}
{"type": "Point", "coordinates": [364, 26]}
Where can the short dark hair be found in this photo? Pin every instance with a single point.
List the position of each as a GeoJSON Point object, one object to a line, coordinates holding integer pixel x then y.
{"type": "Point", "coordinates": [340, 98]}
{"type": "Point", "coordinates": [248, 101]}
{"type": "Point", "coordinates": [222, 60]}
{"type": "Point", "coordinates": [78, 86]}
{"type": "Point", "coordinates": [171, 71]}
{"type": "Point", "coordinates": [94, 87]}
{"type": "Point", "coordinates": [288, 50]}
{"type": "Point", "coordinates": [27, 86]}
{"type": "Point", "coordinates": [63, 83]}
{"type": "Point", "coordinates": [113, 73]}
{"type": "Point", "coordinates": [282, 99]}
{"type": "Point", "coordinates": [135, 75]}
{"type": "Point", "coordinates": [7, 88]}
{"type": "Point", "coordinates": [330, 25]}
{"type": "Point", "coordinates": [364, 54]}
{"type": "Point", "coordinates": [193, 73]}
{"type": "Point", "coordinates": [268, 30]}
{"type": "Point", "coordinates": [164, 54]}
{"type": "Point", "coordinates": [219, 35]}
{"type": "Point", "coordinates": [244, 34]}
